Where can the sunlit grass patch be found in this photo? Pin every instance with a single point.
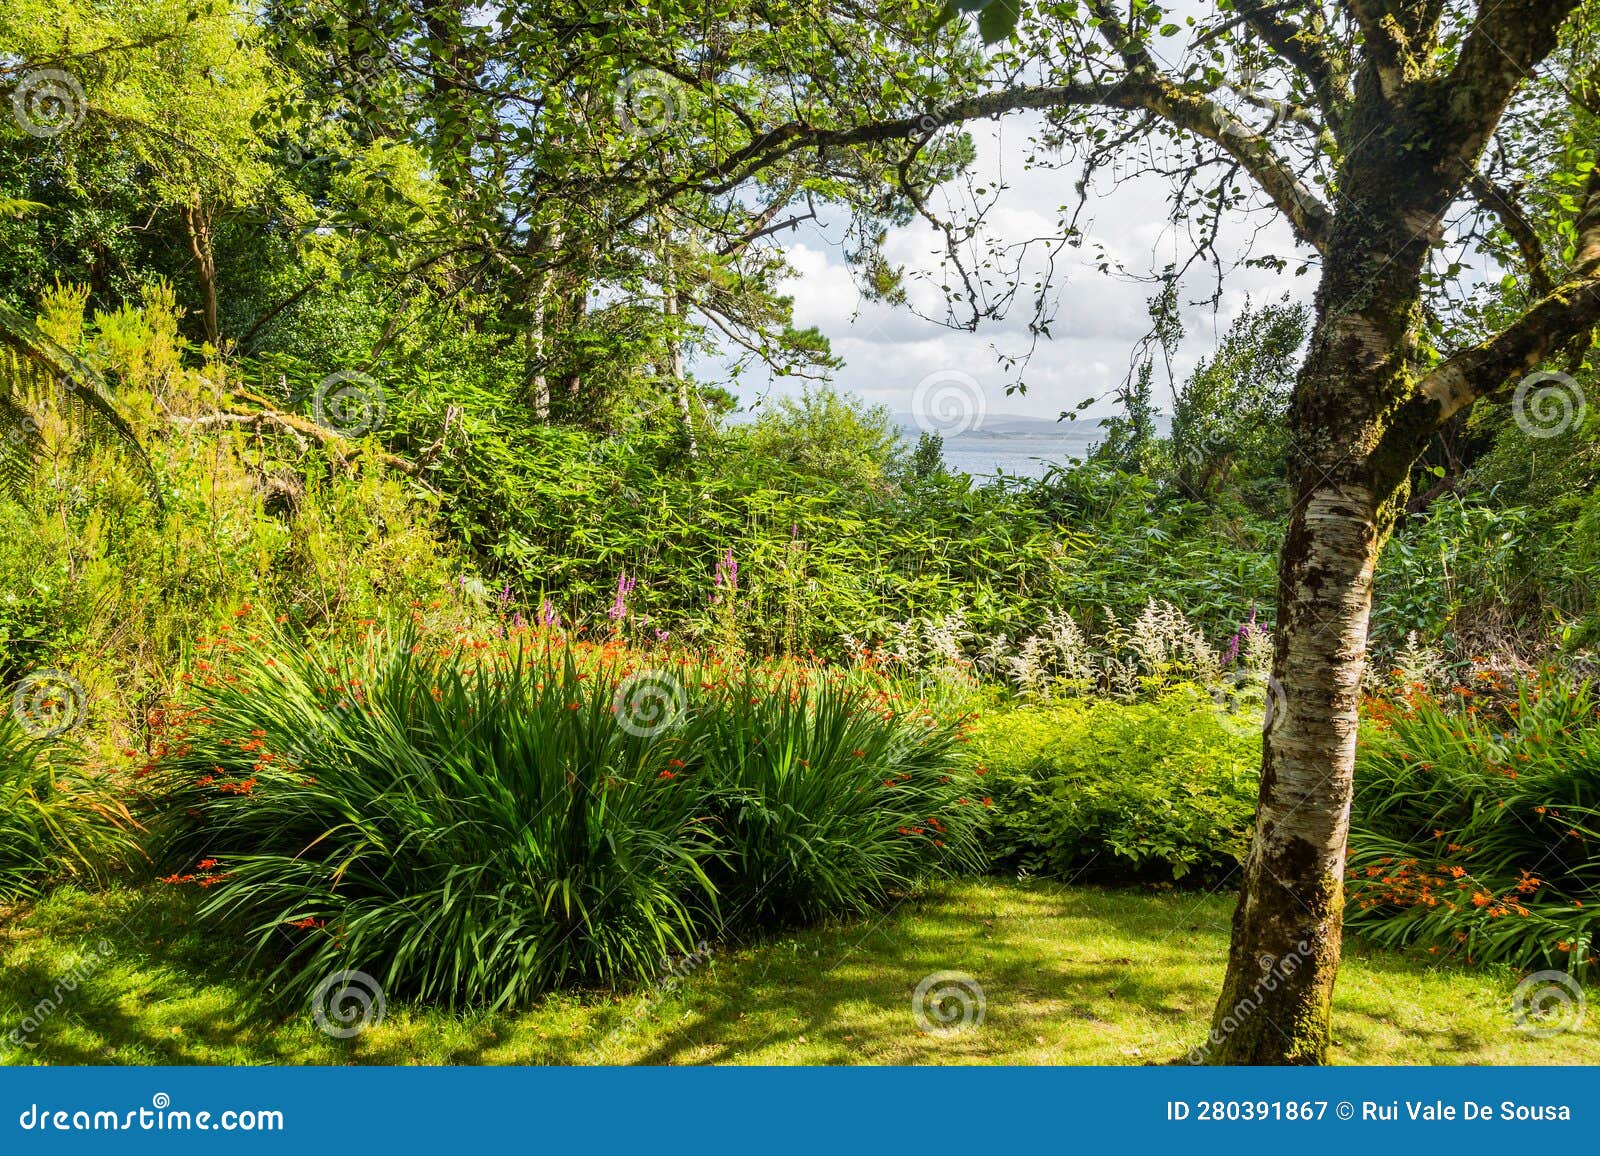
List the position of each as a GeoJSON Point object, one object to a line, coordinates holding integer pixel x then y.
{"type": "Point", "coordinates": [1070, 975]}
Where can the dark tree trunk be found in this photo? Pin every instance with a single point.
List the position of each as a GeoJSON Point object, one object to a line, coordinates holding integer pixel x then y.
{"type": "Point", "coordinates": [198, 223]}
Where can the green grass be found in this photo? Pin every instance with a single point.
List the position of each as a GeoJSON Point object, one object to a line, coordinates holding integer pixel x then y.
{"type": "Point", "coordinates": [1071, 976]}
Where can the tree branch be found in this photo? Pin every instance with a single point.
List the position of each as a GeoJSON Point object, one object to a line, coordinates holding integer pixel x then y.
{"type": "Point", "coordinates": [1508, 39]}
{"type": "Point", "coordinates": [1503, 204]}
{"type": "Point", "coordinates": [1138, 90]}
{"type": "Point", "coordinates": [1307, 50]}
{"type": "Point", "coordinates": [1566, 313]}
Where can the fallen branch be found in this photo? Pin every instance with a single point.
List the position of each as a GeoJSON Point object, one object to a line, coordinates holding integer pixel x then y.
{"type": "Point", "coordinates": [303, 431]}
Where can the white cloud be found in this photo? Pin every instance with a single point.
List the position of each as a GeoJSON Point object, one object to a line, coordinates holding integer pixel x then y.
{"type": "Point", "coordinates": [1098, 317]}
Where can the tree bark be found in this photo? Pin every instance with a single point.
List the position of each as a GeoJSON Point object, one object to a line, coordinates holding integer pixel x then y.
{"type": "Point", "coordinates": [536, 345]}
{"type": "Point", "coordinates": [1276, 1001]}
{"type": "Point", "coordinates": [199, 229]}
{"type": "Point", "coordinates": [1277, 998]}
{"type": "Point", "coordinates": [678, 375]}
{"type": "Point", "coordinates": [671, 366]}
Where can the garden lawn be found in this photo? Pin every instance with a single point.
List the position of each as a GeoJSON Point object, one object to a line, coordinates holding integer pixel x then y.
{"type": "Point", "coordinates": [1071, 975]}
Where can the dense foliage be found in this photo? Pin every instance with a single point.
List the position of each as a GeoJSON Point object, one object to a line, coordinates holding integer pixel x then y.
{"type": "Point", "coordinates": [474, 821]}
{"type": "Point", "coordinates": [373, 311]}
{"type": "Point", "coordinates": [57, 823]}
{"type": "Point", "coordinates": [1475, 821]}
{"type": "Point", "coordinates": [1099, 789]}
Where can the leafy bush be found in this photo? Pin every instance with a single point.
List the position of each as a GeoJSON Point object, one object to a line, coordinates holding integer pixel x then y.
{"type": "Point", "coordinates": [475, 822]}
{"type": "Point", "coordinates": [1113, 790]}
{"type": "Point", "coordinates": [94, 577]}
{"type": "Point", "coordinates": [829, 797]}
{"type": "Point", "coordinates": [55, 821]}
{"type": "Point", "coordinates": [1474, 824]}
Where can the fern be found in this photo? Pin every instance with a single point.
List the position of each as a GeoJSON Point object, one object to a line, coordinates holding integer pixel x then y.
{"type": "Point", "coordinates": [34, 362]}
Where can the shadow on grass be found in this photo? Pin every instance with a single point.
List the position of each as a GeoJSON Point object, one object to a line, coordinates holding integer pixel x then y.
{"type": "Point", "coordinates": [125, 976]}
{"type": "Point", "coordinates": [1067, 975]}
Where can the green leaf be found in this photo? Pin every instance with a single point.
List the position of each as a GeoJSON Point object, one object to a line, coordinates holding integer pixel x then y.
{"type": "Point", "coordinates": [998, 20]}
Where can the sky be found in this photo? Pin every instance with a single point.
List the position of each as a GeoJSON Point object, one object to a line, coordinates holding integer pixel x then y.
{"type": "Point", "coordinates": [889, 351]}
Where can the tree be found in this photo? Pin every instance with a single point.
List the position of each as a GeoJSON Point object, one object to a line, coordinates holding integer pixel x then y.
{"type": "Point", "coordinates": [527, 115]}
{"type": "Point", "coordinates": [144, 108]}
{"type": "Point", "coordinates": [1228, 417]}
{"type": "Point", "coordinates": [1363, 123]}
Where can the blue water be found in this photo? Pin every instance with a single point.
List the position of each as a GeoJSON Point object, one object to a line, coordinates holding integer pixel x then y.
{"type": "Point", "coordinates": [1024, 455]}
{"type": "Point", "coordinates": [1027, 452]}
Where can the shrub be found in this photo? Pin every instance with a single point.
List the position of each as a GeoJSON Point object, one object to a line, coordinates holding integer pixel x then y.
{"type": "Point", "coordinates": [97, 578]}
{"type": "Point", "coordinates": [1113, 790]}
{"type": "Point", "coordinates": [56, 822]}
{"type": "Point", "coordinates": [830, 797]}
{"type": "Point", "coordinates": [1474, 824]}
{"type": "Point", "coordinates": [473, 823]}
{"type": "Point", "coordinates": [466, 828]}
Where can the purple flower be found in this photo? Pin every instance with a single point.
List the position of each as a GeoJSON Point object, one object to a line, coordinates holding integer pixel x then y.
{"type": "Point", "coordinates": [547, 614]}
{"type": "Point", "coordinates": [727, 573]}
{"type": "Point", "coordinates": [625, 585]}
{"type": "Point", "coordinates": [1245, 630]}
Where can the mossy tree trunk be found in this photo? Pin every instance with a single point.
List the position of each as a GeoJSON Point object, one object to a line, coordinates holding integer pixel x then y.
{"type": "Point", "coordinates": [1364, 410]}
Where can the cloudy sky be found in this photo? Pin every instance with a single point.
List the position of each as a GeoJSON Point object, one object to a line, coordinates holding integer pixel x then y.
{"type": "Point", "coordinates": [889, 350]}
